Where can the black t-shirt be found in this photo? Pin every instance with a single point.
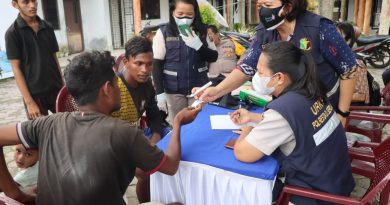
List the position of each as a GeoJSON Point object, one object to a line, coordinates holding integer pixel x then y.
{"type": "Point", "coordinates": [144, 98]}
{"type": "Point", "coordinates": [36, 54]}
{"type": "Point", "coordinates": [87, 158]}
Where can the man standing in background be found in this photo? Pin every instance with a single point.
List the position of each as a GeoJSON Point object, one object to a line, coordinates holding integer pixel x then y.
{"type": "Point", "coordinates": [31, 49]}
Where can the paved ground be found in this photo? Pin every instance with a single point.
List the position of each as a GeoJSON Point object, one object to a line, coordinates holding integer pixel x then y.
{"type": "Point", "coordinates": [12, 111]}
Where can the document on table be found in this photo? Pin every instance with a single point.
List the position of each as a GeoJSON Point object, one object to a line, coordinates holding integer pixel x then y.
{"type": "Point", "coordinates": [223, 122]}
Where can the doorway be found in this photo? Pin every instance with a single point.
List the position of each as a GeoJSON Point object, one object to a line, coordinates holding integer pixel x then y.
{"type": "Point", "coordinates": [73, 26]}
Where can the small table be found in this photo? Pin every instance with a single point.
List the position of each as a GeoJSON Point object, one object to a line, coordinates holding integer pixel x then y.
{"type": "Point", "coordinates": [209, 173]}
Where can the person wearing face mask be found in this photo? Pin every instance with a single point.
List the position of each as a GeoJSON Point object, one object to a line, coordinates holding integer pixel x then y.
{"type": "Point", "coordinates": [227, 59]}
{"type": "Point", "coordinates": [179, 59]}
{"type": "Point", "coordinates": [298, 127]}
{"type": "Point", "coordinates": [288, 20]}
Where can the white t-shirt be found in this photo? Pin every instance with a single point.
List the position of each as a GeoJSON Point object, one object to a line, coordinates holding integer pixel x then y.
{"type": "Point", "coordinates": [27, 177]}
{"type": "Point", "coordinates": [272, 132]}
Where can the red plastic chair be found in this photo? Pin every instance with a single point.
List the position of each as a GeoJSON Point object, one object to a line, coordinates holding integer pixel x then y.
{"type": "Point", "coordinates": [378, 121]}
{"type": "Point", "coordinates": [373, 162]}
{"type": "Point", "coordinates": [368, 198]}
{"type": "Point", "coordinates": [375, 132]}
{"type": "Point", "coordinates": [119, 63]}
{"type": "Point", "coordinates": [65, 102]}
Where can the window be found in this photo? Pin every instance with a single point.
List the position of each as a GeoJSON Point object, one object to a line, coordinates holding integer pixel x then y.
{"type": "Point", "coordinates": [50, 11]}
{"type": "Point", "coordinates": [150, 9]}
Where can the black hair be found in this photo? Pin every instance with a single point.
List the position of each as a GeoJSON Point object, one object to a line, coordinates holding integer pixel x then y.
{"type": "Point", "coordinates": [197, 24]}
{"type": "Point", "coordinates": [86, 73]}
{"type": "Point", "coordinates": [348, 31]}
{"type": "Point", "coordinates": [286, 58]}
{"type": "Point", "coordinates": [298, 7]}
{"type": "Point", "coordinates": [213, 28]}
{"type": "Point", "coordinates": [137, 45]}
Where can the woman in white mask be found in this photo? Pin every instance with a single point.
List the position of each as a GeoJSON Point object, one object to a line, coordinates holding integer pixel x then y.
{"type": "Point", "coordinates": [298, 128]}
{"type": "Point", "coordinates": [289, 20]}
{"type": "Point", "coordinates": [181, 51]}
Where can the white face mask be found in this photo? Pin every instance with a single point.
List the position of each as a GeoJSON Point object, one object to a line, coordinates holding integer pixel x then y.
{"type": "Point", "coordinates": [260, 84]}
{"type": "Point", "coordinates": [184, 20]}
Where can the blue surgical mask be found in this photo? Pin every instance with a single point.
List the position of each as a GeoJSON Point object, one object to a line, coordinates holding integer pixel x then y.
{"type": "Point", "coordinates": [183, 20]}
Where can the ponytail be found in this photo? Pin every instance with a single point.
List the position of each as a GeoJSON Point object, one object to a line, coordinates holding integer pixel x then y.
{"type": "Point", "coordinates": [299, 65]}
{"type": "Point", "coordinates": [312, 87]}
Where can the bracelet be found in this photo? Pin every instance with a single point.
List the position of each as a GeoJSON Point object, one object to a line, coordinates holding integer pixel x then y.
{"type": "Point", "coordinates": [344, 114]}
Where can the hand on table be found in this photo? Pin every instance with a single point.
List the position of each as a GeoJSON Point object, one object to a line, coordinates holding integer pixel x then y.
{"type": "Point", "coordinates": [240, 116]}
{"type": "Point", "coordinates": [187, 115]}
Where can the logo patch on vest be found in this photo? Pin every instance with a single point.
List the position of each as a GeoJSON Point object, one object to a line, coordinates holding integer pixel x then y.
{"type": "Point", "coordinates": [305, 44]}
{"type": "Point", "coordinates": [172, 38]}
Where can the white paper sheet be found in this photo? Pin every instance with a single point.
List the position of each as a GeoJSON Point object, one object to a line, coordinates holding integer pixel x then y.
{"type": "Point", "coordinates": [223, 122]}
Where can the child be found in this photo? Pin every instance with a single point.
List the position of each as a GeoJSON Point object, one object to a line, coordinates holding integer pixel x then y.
{"type": "Point", "coordinates": [27, 161]}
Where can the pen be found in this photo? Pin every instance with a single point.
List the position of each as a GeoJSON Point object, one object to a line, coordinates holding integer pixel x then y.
{"type": "Point", "coordinates": [200, 89]}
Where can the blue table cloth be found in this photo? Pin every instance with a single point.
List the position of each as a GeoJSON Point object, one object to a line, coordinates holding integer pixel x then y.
{"type": "Point", "coordinates": [203, 145]}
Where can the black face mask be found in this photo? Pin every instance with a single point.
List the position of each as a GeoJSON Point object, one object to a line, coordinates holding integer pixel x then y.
{"type": "Point", "coordinates": [271, 18]}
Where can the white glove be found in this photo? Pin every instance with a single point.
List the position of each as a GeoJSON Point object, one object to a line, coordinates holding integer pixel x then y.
{"type": "Point", "coordinates": [162, 102]}
{"type": "Point", "coordinates": [192, 40]}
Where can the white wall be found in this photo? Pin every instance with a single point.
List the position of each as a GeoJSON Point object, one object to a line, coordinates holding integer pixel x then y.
{"type": "Point", "coordinates": [8, 16]}
{"type": "Point", "coordinates": [61, 35]}
{"type": "Point", "coordinates": [164, 12]}
{"type": "Point", "coordinates": [95, 15]}
{"type": "Point", "coordinates": [350, 15]}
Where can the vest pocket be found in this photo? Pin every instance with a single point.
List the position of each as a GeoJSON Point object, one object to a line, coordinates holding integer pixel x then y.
{"type": "Point", "coordinates": [170, 80]}
{"type": "Point", "coordinates": [173, 51]}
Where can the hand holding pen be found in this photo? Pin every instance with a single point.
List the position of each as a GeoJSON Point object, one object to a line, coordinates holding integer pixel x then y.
{"type": "Point", "coordinates": [242, 116]}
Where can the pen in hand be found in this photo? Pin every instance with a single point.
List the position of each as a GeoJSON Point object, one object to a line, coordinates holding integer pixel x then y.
{"type": "Point", "coordinates": [200, 89]}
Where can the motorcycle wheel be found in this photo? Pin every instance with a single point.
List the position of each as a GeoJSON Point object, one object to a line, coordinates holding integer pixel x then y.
{"type": "Point", "coordinates": [380, 58]}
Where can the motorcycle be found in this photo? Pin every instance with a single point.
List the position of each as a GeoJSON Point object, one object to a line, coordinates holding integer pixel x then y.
{"type": "Point", "coordinates": [375, 49]}
{"type": "Point", "coordinates": [242, 38]}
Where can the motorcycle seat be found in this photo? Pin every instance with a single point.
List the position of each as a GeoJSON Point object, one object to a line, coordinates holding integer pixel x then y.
{"type": "Point", "coordinates": [371, 39]}
{"type": "Point", "coordinates": [241, 35]}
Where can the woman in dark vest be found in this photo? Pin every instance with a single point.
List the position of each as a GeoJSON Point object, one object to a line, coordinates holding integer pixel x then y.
{"type": "Point", "coordinates": [288, 20]}
{"type": "Point", "coordinates": [180, 59]}
{"type": "Point", "coordinates": [299, 127]}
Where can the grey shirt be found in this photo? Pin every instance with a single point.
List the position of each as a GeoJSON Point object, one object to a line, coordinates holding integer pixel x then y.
{"type": "Point", "coordinates": [87, 157]}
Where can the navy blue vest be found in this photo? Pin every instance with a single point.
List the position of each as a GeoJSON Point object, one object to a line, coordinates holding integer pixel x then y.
{"type": "Point", "coordinates": [320, 158]}
{"type": "Point", "coordinates": [183, 69]}
{"type": "Point", "coordinates": [306, 34]}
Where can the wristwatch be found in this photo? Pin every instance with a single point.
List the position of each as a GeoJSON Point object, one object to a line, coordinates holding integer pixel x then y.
{"type": "Point", "coordinates": [344, 114]}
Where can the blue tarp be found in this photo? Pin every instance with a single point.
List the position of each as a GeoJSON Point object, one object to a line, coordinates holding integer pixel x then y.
{"type": "Point", "coordinates": [5, 66]}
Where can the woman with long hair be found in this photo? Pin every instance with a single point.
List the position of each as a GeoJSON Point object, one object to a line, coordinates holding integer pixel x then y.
{"type": "Point", "coordinates": [299, 127]}
{"type": "Point", "coordinates": [289, 20]}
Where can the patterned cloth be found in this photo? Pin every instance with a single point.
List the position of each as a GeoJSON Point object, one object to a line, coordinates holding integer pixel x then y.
{"type": "Point", "coordinates": [361, 86]}
{"type": "Point", "coordinates": [128, 111]}
{"type": "Point", "coordinates": [332, 46]}
{"type": "Point", "coordinates": [336, 51]}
